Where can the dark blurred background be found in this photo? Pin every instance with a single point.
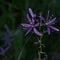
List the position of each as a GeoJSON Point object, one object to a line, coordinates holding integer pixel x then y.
{"type": "Point", "coordinates": [13, 13]}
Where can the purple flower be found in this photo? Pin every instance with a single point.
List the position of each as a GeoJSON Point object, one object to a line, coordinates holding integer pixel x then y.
{"type": "Point", "coordinates": [48, 22]}
{"type": "Point", "coordinates": [7, 44]}
{"type": "Point", "coordinates": [6, 38]}
{"type": "Point", "coordinates": [31, 26]}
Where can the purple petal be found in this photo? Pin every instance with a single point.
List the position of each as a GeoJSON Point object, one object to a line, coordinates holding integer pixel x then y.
{"type": "Point", "coordinates": [7, 48]}
{"type": "Point", "coordinates": [48, 30]}
{"type": "Point", "coordinates": [28, 18]}
{"type": "Point", "coordinates": [47, 17]}
{"type": "Point", "coordinates": [26, 25]}
{"type": "Point", "coordinates": [28, 31]}
{"type": "Point", "coordinates": [54, 28]}
{"type": "Point", "coordinates": [7, 38]}
{"type": "Point", "coordinates": [36, 32]}
{"type": "Point", "coordinates": [37, 24]}
{"type": "Point", "coordinates": [41, 17]}
{"type": "Point", "coordinates": [33, 21]}
{"type": "Point", "coordinates": [31, 12]}
{"type": "Point", "coordinates": [1, 51]}
{"type": "Point", "coordinates": [7, 28]}
{"type": "Point", "coordinates": [52, 21]}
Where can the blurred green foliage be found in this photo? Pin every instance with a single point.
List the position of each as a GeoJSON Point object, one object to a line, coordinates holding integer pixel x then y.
{"type": "Point", "coordinates": [13, 13]}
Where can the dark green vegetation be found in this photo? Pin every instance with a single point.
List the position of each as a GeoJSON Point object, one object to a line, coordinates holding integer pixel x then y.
{"type": "Point", "coordinates": [13, 13]}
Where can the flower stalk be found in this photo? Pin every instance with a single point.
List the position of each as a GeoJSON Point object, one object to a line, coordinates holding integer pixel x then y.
{"type": "Point", "coordinates": [40, 47]}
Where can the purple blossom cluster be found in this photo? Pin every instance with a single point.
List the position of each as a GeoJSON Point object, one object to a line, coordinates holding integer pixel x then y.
{"type": "Point", "coordinates": [7, 42]}
{"type": "Point", "coordinates": [32, 24]}
{"type": "Point", "coordinates": [7, 39]}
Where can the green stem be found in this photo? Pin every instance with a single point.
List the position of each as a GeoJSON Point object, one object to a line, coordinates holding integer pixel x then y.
{"type": "Point", "coordinates": [39, 55]}
{"type": "Point", "coordinates": [40, 47]}
{"type": "Point", "coordinates": [40, 44]}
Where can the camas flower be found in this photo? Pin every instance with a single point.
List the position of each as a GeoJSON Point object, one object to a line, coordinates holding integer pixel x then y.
{"type": "Point", "coordinates": [32, 25]}
{"type": "Point", "coordinates": [7, 43]}
{"type": "Point", "coordinates": [48, 22]}
{"type": "Point", "coordinates": [6, 38]}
